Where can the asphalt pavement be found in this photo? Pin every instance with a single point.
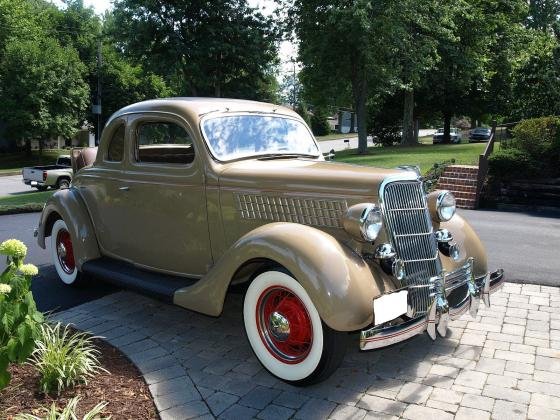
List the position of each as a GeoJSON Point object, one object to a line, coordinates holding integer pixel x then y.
{"type": "Point", "coordinates": [525, 245]}
{"type": "Point", "coordinates": [13, 184]}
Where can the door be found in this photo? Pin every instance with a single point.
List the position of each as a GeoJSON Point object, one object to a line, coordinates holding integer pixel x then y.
{"type": "Point", "coordinates": [163, 183]}
{"type": "Point", "coordinates": [99, 186]}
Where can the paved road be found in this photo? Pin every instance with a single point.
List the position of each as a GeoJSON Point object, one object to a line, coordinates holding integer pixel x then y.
{"type": "Point", "coordinates": [13, 184]}
{"type": "Point", "coordinates": [525, 245]}
{"type": "Point", "coordinates": [339, 144]}
{"type": "Point", "coordinates": [50, 293]}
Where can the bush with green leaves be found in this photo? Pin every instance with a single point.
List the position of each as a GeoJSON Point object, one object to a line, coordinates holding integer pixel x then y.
{"type": "Point", "coordinates": [64, 358]}
{"type": "Point", "coordinates": [432, 176]}
{"type": "Point", "coordinates": [19, 318]}
{"type": "Point", "coordinates": [67, 413]}
{"type": "Point", "coordinates": [534, 151]}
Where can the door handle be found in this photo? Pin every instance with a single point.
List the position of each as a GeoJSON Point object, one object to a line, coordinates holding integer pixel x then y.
{"type": "Point", "coordinates": [125, 188]}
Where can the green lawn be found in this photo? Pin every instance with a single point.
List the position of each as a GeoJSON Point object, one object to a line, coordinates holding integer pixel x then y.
{"type": "Point", "coordinates": [13, 162]}
{"type": "Point", "coordinates": [423, 155]}
{"type": "Point", "coordinates": [24, 202]}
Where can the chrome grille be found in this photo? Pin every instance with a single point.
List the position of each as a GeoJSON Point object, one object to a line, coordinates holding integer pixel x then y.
{"type": "Point", "coordinates": [409, 226]}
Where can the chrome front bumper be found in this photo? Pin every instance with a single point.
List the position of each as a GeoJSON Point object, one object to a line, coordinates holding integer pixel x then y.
{"type": "Point", "coordinates": [440, 312]}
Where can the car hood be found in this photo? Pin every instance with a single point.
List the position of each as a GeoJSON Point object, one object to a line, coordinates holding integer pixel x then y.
{"type": "Point", "coordinates": [306, 175]}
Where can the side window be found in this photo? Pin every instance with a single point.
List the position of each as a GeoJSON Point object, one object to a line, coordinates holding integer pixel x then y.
{"type": "Point", "coordinates": [163, 142]}
{"type": "Point", "coordinates": [116, 145]}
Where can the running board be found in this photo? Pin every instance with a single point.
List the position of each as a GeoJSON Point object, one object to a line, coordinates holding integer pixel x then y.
{"type": "Point", "coordinates": [125, 275]}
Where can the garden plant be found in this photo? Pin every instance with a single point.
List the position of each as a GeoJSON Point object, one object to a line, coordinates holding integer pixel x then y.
{"type": "Point", "coordinates": [20, 320]}
{"type": "Point", "coordinates": [64, 358]}
{"type": "Point", "coordinates": [67, 413]}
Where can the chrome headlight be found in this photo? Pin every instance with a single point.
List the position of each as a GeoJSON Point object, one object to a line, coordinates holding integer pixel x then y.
{"type": "Point", "coordinates": [445, 205]}
{"type": "Point", "coordinates": [371, 222]}
{"type": "Point", "coordinates": [363, 221]}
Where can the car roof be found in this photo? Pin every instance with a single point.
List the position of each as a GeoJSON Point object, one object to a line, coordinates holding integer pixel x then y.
{"type": "Point", "coordinates": [197, 107]}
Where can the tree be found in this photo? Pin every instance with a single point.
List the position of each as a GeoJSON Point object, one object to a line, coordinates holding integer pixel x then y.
{"type": "Point", "coordinates": [42, 89]}
{"type": "Point", "coordinates": [418, 29]}
{"type": "Point", "coordinates": [124, 83]}
{"type": "Point", "coordinates": [222, 48]}
{"type": "Point", "coordinates": [344, 52]}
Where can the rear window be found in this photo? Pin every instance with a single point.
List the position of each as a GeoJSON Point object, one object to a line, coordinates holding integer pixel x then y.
{"type": "Point", "coordinates": [64, 161]}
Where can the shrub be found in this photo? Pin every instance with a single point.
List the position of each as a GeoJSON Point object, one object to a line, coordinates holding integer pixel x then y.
{"type": "Point", "coordinates": [63, 358]}
{"type": "Point", "coordinates": [67, 413]}
{"type": "Point", "coordinates": [319, 123]}
{"type": "Point", "coordinates": [538, 137]}
{"type": "Point", "coordinates": [387, 136]}
{"type": "Point", "coordinates": [432, 176]}
{"type": "Point", "coordinates": [19, 318]}
{"type": "Point", "coordinates": [512, 163]}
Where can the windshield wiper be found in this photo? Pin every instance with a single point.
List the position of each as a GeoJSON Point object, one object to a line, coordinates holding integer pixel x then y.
{"type": "Point", "coordinates": [270, 156]}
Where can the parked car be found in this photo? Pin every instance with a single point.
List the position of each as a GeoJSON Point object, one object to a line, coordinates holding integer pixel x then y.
{"type": "Point", "coordinates": [480, 134]}
{"type": "Point", "coordinates": [455, 135]}
{"type": "Point", "coordinates": [186, 197]}
{"type": "Point", "coordinates": [58, 175]}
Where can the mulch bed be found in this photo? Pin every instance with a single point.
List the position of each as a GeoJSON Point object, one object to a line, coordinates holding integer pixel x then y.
{"type": "Point", "coordinates": [123, 388]}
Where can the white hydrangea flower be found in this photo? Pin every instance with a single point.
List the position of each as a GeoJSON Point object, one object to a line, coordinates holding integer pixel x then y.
{"type": "Point", "coordinates": [13, 248]}
{"type": "Point", "coordinates": [5, 289]}
{"type": "Point", "coordinates": [28, 270]}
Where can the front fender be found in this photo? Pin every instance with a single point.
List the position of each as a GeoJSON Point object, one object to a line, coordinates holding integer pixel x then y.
{"type": "Point", "coordinates": [469, 244]}
{"type": "Point", "coordinates": [69, 205]}
{"type": "Point", "coordinates": [339, 281]}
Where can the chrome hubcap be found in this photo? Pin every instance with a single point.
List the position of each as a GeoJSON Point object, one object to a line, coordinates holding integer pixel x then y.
{"type": "Point", "coordinates": [61, 250]}
{"type": "Point", "coordinates": [279, 326]}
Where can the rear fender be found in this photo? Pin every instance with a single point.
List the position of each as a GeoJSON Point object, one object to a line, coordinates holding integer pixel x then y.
{"type": "Point", "coordinates": [339, 282]}
{"type": "Point", "coordinates": [68, 205]}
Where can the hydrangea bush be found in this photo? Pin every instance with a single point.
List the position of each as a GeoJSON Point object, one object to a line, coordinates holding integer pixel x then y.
{"type": "Point", "coordinates": [19, 319]}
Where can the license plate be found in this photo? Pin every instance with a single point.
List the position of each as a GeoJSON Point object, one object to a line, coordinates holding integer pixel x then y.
{"type": "Point", "coordinates": [390, 306]}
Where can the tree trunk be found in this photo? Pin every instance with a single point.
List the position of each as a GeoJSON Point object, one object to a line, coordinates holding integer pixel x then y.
{"type": "Point", "coordinates": [359, 93]}
{"type": "Point", "coordinates": [28, 147]}
{"type": "Point", "coordinates": [40, 147]}
{"type": "Point", "coordinates": [361, 114]}
{"type": "Point", "coordinates": [416, 130]}
{"type": "Point", "coordinates": [408, 119]}
{"type": "Point", "coordinates": [473, 122]}
{"type": "Point", "coordinates": [446, 128]}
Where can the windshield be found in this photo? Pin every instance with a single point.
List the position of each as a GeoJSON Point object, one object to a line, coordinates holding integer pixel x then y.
{"type": "Point", "coordinates": [239, 136]}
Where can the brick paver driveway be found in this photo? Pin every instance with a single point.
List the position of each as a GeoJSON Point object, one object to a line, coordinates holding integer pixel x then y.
{"type": "Point", "coordinates": [503, 365]}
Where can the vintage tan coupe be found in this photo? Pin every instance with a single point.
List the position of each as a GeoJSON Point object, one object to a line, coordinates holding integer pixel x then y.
{"type": "Point", "coordinates": [186, 197]}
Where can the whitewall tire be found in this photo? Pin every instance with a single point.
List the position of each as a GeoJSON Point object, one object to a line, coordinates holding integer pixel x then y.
{"type": "Point", "coordinates": [62, 252]}
{"type": "Point", "coordinates": [286, 332]}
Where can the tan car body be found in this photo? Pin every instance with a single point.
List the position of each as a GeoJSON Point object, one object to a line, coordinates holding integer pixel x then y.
{"type": "Point", "coordinates": [204, 221]}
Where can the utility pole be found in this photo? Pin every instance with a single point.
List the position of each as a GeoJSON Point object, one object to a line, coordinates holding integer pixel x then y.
{"type": "Point", "coordinates": [97, 107]}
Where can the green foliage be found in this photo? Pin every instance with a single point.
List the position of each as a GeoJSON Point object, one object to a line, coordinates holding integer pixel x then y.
{"type": "Point", "coordinates": [19, 318]}
{"type": "Point", "coordinates": [538, 137]}
{"type": "Point", "coordinates": [63, 358]}
{"type": "Point", "coordinates": [220, 49]}
{"type": "Point", "coordinates": [67, 413]}
{"type": "Point", "coordinates": [42, 90]}
{"type": "Point", "coordinates": [536, 82]}
{"type": "Point", "coordinates": [534, 151]}
{"type": "Point", "coordinates": [387, 135]}
{"type": "Point", "coordinates": [304, 113]}
{"type": "Point", "coordinates": [511, 163]}
{"type": "Point", "coordinates": [319, 123]}
{"type": "Point", "coordinates": [431, 177]}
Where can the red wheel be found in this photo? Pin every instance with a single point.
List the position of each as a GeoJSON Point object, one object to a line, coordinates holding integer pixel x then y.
{"type": "Point", "coordinates": [284, 325]}
{"type": "Point", "coordinates": [62, 251]}
{"type": "Point", "coordinates": [286, 332]}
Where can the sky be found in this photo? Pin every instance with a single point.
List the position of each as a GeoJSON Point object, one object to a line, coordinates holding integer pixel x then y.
{"type": "Point", "coordinates": [287, 49]}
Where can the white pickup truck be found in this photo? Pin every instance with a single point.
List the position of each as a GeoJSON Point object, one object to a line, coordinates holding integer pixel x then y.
{"type": "Point", "coordinates": [55, 176]}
